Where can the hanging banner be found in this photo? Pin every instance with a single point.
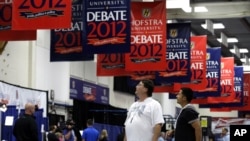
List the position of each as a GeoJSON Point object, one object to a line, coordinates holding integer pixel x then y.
{"type": "Point", "coordinates": [198, 64]}
{"type": "Point", "coordinates": [86, 91]}
{"type": "Point", "coordinates": [213, 73]}
{"type": "Point", "coordinates": [106, 26]}
{"type": "Point", "coordinates": [246, 98]}
{"type": "Point", "coordinates": [148, 34]}
{"type": "Point", "coordinates": [226, 82]}
{"type": "Point", "coordinates": [213, 77]}
{"type": "Point", "coordinates": [111, 64]}
{"type": "Point", "coordinates": [135, 77]}
{"type": "Point", "coordinates": [66, 44]}
{"type": "Point", "coordinates": [177, 56]}
{"type": "Point", "coordinates": [41, 14]}
{"type": "Point", "coordinates": [6, 34]}
{"type": "Point", "coordinates": [238, 89]}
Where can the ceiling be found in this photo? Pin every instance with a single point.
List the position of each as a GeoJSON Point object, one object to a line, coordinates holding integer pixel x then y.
{"type": "Point", "coordinates": [234, 14]}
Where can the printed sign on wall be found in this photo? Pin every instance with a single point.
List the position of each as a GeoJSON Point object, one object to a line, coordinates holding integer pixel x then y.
{"type": "Point", "coordinates": [86, 91]}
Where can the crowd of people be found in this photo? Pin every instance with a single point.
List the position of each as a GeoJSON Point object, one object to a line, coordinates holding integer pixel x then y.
{"type": "Point", "coordinates": [143, 123]}
{"type": "Point", "coordinates": [25, 129]}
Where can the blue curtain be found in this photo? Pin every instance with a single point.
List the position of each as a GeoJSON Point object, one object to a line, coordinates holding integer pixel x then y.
{"type": "Point", "coordinates": [113, 130]}
{"type": "Point", "coordinates": [7, 130]}
{"type": "Point", "coordinates": [39, 121]}
{"type": "Point", "coordinates": [12, 111]}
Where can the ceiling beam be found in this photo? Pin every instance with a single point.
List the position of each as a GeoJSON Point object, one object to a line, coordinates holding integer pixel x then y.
{"type": "Point", "coordinates": [216, 10]}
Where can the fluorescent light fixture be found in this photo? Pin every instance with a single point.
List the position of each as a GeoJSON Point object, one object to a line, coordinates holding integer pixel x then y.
{"type": "Point", "coordinates": [242, 50]}
{"type": "Point", "coordinates": [243, 60]}
{"type": "Point", "coordinates": [147, 0]}
{"type": "Point", "coordinates": [170, 21]}
{"type": "Point", "coordinates": [229, 40]}
{"type": "Point", "coordinates": [200, 9]}
{"type": "Point", "coordinates": [187, 9]}
{"type": "Point", "coordinates": [215, 26]}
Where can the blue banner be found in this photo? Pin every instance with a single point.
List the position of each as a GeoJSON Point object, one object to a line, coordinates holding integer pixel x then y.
{"type": "Point", "coordinates": [66, 44]}
{"type": "Point", "coordinates": [178, 54]}
{"type": "Point", "coordinates": [213, 74]}
{"type": "Point", "coordinates": [86, 91]}
{"type": "Point", "coordinates": [106, 26]}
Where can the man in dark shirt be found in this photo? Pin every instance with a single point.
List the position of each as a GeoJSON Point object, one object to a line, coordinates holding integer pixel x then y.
{"type": "Point", "coordinates": [25, 128]}
{"type": "Point", "coordinates": [51, 135]}
{"type": "Point", "coordinates": [187, 126]}
{"type": "Point", "coordinates": [187, 123]}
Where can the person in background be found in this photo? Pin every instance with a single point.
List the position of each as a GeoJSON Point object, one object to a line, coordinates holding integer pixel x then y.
{"type": "Point", "coordinates": [104, 135]}
{"type": "Point", "coordinates": [225, 134]}
{"type": "Point", "coordinates": [120, 137]}
{"type": "Point", "coordinates": [170, 135]}
{"type": "Point", "coordinates": [161, 137]}
{"type": "Point", "coordinates": [68, 132]}
{"type": "Point", "coordinates": [76, 130]}
{"type": "Point", "coordinates": [187, 126]}
{"type": "Point", "coordinates": [90, 133]}
{"type": "Point", "coordinates": [144, 118]}
{"type": "Point", "coordinates": [25, 127]}
{"type": "Point", "coordinates": [59, 135]}
{"type": "Point", "coordinates": [51, 135]}
{"type": "Point", "coordinates": [211, 136]}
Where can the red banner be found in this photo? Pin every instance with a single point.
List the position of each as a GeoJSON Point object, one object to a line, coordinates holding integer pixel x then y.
{"type": "Point", "coordinates": [226, 82]}
{"type": "Point", "coordinates": [198, 64]}
{"type": "Point", "coordinates": [111, 64]}
{"type": "Point", "coordinates": [148, 37]}
{"type": "Point", "coordinates": [6, 34]}
{"type": "Point", "coordinates": [41, 14]}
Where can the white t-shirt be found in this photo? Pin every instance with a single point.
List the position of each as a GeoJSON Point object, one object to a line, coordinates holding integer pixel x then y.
{"type": "Point", "coordinates": [141, 119]}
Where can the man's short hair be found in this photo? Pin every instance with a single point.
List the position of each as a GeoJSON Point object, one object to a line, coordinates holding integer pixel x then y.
{"type": "Point", "coordinates": [90, 122]}
{"type": "Point", "coordinates": [188, 93]}
{"type": "Point", "coordinates": [70, 122]}
{"type": "Point", "coordinates": [225, 129]}
{"type": "Point", "coordinates": [149, 84]}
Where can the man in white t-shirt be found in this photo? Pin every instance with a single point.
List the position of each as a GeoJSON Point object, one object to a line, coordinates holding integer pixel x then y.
{"type": "Point", "coordinates": [144, 117]}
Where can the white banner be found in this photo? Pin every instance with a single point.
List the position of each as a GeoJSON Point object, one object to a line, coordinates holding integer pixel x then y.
{"type": "Point", "coordinates": [19, 96]}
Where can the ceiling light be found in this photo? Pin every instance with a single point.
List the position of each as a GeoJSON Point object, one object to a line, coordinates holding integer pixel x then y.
{"type": "Point", "coordinates": [243, 60]}
{"type": "Point", "coordinates": [229, 40]}
{"type": "Point", "coordinates": [242, 50]}
{"type": "Point", "coordinates": [187, 9]}
{"type": "Point", "coordinates": [215, 26]}
{"type": "Point", "coordinates": [200, 9]}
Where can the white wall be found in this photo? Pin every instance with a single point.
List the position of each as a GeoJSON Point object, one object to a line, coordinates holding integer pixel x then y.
{"type": "Point", "coordinates": [168, 105]}
{"type": "Point", "coordinates": [14, 63]}
{"type": "Point", "coordinates": [50, 75]}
